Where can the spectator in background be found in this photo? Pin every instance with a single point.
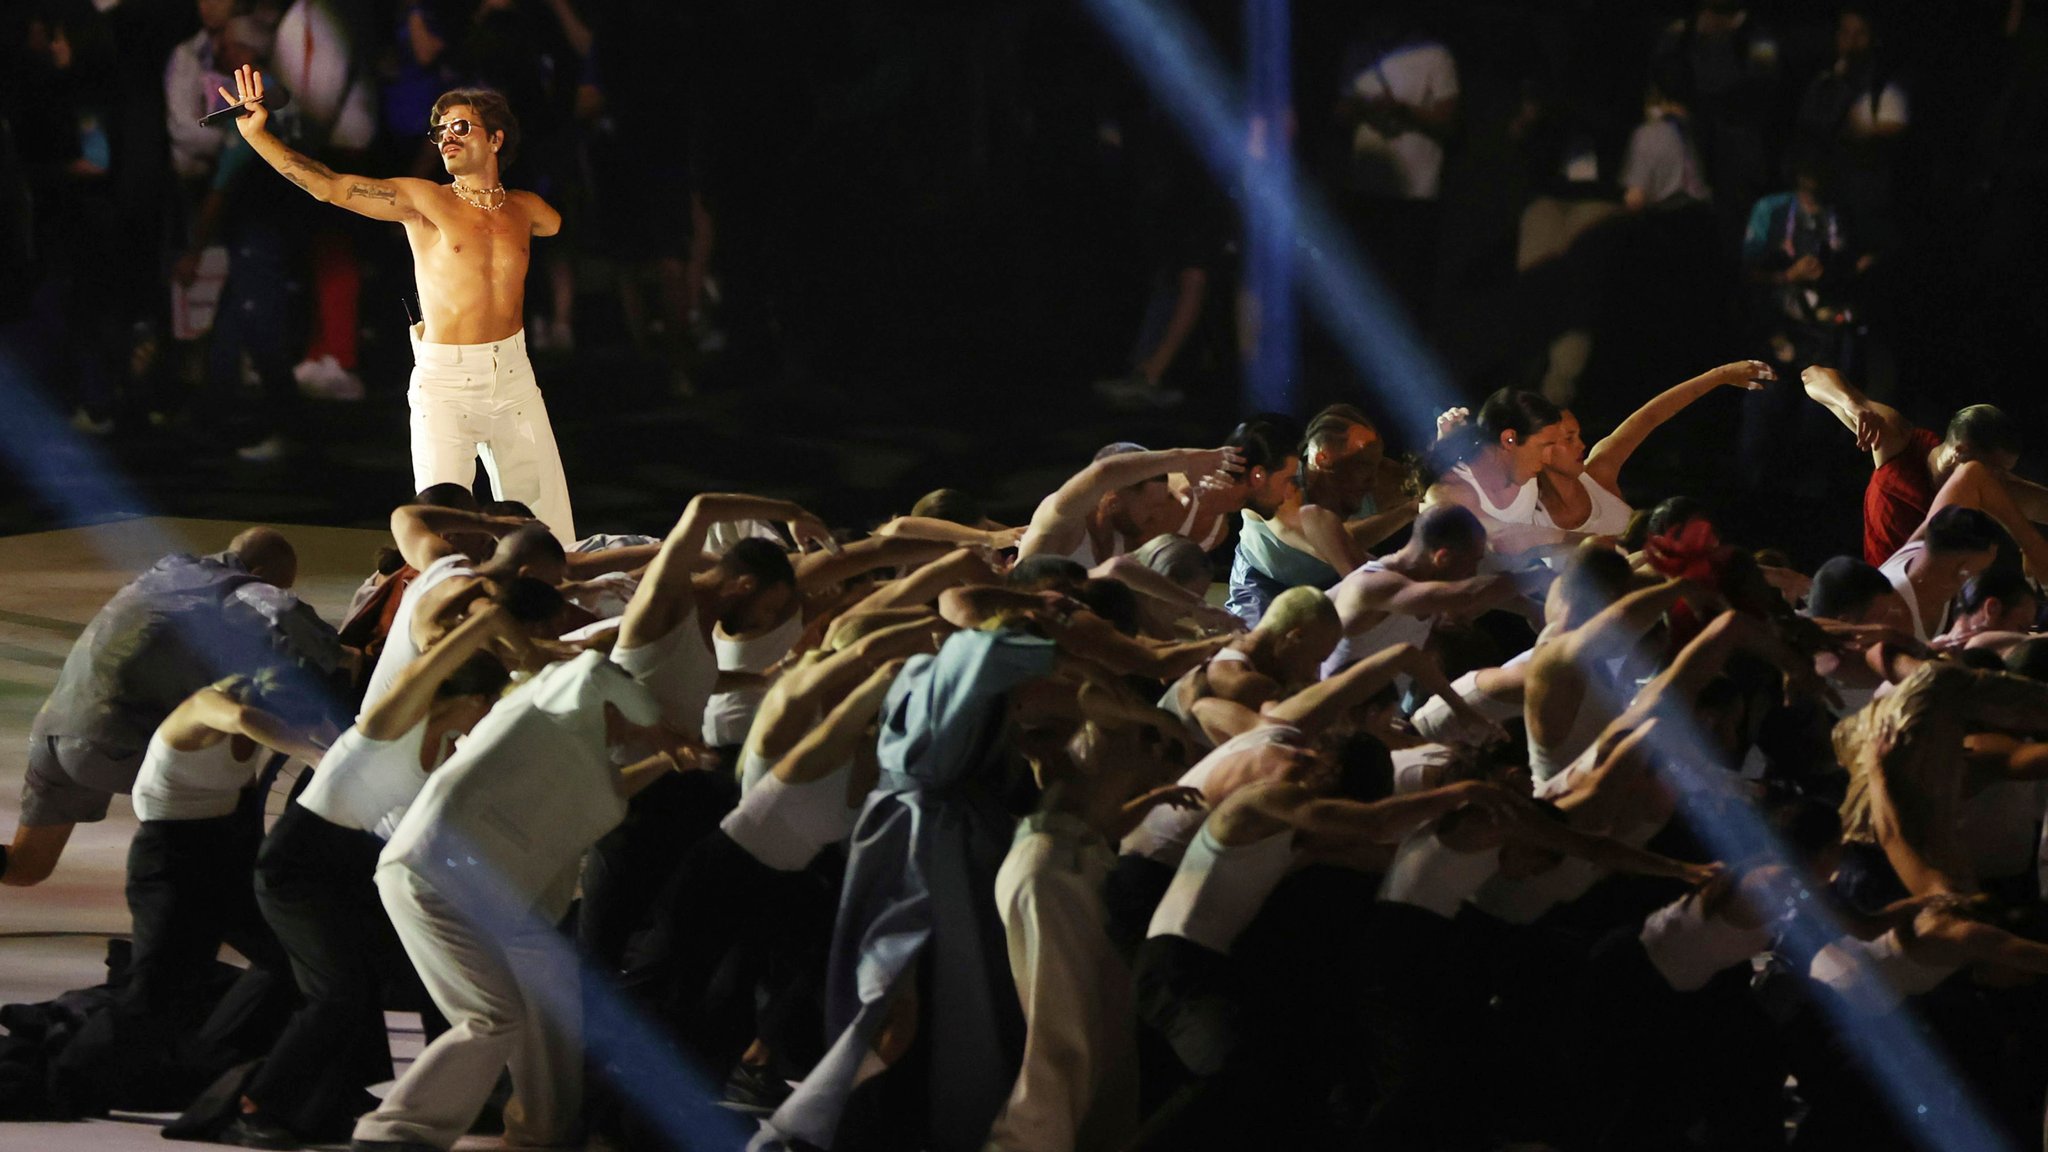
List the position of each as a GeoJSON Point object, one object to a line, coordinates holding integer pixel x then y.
{"type": "Point", "coordinates": [318, 62]}
{"type": "Point", "coordinates": [1732, 65]}
{"type": "Point", "coordinates": [1662, 168]}
{"type": "Point", "coordinates": [1853, 113]}
{"type": "Point", "coordinates": [1572, 178]}
{"type": "Point", "coordinates": [1187, 229]}
{"type": "Point", "coordinates": [190, 82]}
{"type": "Point", "coordinates": [265, 292]}
{"type": "Point", "coordinates": [1399, 105]}
{"type": "Point", "coordinates": [56, 90]}
{"type": "Point", "coordinates": [534, 52]}
{"type": "Point", "coordinates": [419, 72]}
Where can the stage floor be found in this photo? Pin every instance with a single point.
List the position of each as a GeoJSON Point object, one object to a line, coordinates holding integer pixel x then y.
{"type": "Point", "coordinates": [53, 936]}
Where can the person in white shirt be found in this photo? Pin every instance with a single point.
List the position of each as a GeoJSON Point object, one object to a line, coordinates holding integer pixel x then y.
{"type": "Point", "coordinates": [1662, 167]}
{"type": "Point", "coordinates": [1118, 502]}
{"type": "Point", "coordinates": [477, 876]}
{"type": "Point", "coordinates": [665, 643]}
{"type": "Point", "coordinates": [1397, 600]}
{"type": "Point", "coordinates": [190, 77]}
{"type": "Point", "coordinates": [189, 868]}
{"type": "Point", "coordinates": [315, 882]}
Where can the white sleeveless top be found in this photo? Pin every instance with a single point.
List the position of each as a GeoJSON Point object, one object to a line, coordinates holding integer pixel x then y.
{"type": "Point", "coordinates": [1609, 516]}
{"type": "Point", "coordinates": [1876, 975]}
{"type": "Point", "coordinates": [399, 650]}
{"type": "Point", "coordinates": [785, 825]}
{"type": "Point", "coordinates": [1394, 629]}
{"type": "Point", "coordinates": [1428, 875]}
{"type": "Point", "coordinates": [1520, 510]}
{"type": "Point", "coordinates": [177, 785]}
{"type": "Point", "coordinates": [368, 784]}
{"type": "Point", "coordinates": [1435, 720]}
{"type": "Point", "coordinates": [1689, 948]}
{"type": "Point", "coordinates": [1218, 890]}
{"type": "Point", "coordinates": [1894, 570]}
{"type": "Point", "coordinates": [1165, 832]}
{"type": "Point", "coordinates": [678, 670]}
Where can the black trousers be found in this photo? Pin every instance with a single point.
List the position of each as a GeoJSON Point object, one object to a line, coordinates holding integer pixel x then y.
{"type": "Point", "coordinates": [625, 872]}
{"type": "Point", "coordinates": [315, 885]}
{"type": "Point", "coordinates": [190, 890]}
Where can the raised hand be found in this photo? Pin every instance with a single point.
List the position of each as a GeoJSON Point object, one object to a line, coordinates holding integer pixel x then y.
{"type": "Point", "coordinates": [1225, 461]}
{"type": "Point", "coordinates": [1749, 375]}
{"type": "Point", "coordinates": [808, 529]}
{"type": "Point", "coordinates": [1452, 420]}
{"type": "Point", "coordinates": [248, 94]}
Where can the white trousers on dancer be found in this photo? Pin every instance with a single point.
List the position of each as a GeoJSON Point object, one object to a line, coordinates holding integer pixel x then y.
{"type": "Point", "coordinates": [512, 999]}
{"type": "Point", "coordinates": [471, 400]}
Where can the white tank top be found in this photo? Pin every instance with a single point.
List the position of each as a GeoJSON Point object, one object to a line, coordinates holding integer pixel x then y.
{"type": "Point", "coordinates": [1690, 948]}
{"type": "Point", "coordinates": [1217, 890]}
{"type": "Point", "coordinates": [1393, 629]}
{"type": "Point", "coordinates": [1165, 832]}
{"type": "Point", "coordinates": [1526, 899]}
{"type": "Point", "coordinates": [1876, 975]}
{"type": "Point", "coordinates": [728, 716]}
{"type": "Point", "coordinates": [177, 785]}
{"type": "Point", "coordinates": [1428, 875]}
{"type": "Point", "coordinates": [1421, 768]}
{"type": "Point", "coordinates": [1520, 510]}
{"type": "Point", "coordinates": [368, 784]}
{"type": "Point", "coordinates": [754, 768]}
{"type": "Point", "coordinates": [1435, 720]}
{"type": "Point", "coordinates": [785, 825]}
{"type": "Point", "coordinates": [1894, 570]}
{"type": "Point", "coordinates": [399, 650]}
{"type": "Point", "coordinates": [1609, 516]}
{"type": "Point", "coordinates": [678, 670]}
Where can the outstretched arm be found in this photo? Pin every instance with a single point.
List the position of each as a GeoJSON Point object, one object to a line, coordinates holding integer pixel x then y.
{"type": "Point", "coordinates": [1057, 524]}
{"type": "Point", "coordinates": [397, 200]}
{"type": "Point", "coordinates": [835, 740]}
{"type": "Point", "coordinates": [1605, 461]}
{"type": "Point", "coordinates": [1880, 429]}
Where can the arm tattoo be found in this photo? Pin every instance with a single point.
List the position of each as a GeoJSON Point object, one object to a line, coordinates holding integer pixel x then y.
{"type": "Point", "coordinates": [307, 164]}
{"type": "Point", "coordinates": [373, 192]}
{"type": "Point", "coordinates": [295, 178]}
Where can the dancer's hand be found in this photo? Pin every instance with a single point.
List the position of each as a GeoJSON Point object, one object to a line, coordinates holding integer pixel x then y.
{"type": "Point", "coordinates": [1749, 375]}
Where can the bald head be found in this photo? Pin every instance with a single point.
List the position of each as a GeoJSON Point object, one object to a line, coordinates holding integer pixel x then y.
{"type": "Point", "coordinates": [267, 555]}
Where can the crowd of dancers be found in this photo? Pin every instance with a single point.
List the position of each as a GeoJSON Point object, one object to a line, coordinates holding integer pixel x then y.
{"type": "Point", "coordinates": [1479, 815]}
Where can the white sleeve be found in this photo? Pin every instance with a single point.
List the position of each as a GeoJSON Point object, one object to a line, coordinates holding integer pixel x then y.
{"type": "Point", "coordinates": [1891, 106]}
{"type": "Point", "coordinates": [1441, 77]}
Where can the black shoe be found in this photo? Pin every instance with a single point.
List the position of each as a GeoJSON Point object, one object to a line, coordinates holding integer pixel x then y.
{"type": "Point", "coordinates": [255, 1130]}
{"type": "Point", "coordinates": [755, 1086]}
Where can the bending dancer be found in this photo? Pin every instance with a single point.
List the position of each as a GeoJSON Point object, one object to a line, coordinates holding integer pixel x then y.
{"type": "Point", "coordinates": [472, 389]}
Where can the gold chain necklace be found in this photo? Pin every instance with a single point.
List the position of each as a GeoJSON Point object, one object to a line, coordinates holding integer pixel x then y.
{"type": "Point", "coordinates": [469, 195]}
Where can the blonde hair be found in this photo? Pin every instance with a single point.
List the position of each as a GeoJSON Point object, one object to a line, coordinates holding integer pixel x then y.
{"type": "Point", "coordinates": [1297, 608]}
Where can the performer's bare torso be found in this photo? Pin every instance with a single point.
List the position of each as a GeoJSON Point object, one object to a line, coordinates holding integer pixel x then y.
{"type": "Point", "coordinates": [471, 266]}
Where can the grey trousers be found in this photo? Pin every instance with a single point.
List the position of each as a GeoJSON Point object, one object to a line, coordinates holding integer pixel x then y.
{"type": "Point", "coordinates": [512, 997]}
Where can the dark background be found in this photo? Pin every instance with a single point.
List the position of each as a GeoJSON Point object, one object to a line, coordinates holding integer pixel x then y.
{"type": "Point", "coordinates": [927, 250]}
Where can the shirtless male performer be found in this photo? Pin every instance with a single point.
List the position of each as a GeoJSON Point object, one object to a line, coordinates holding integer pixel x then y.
{"type": "Point", "coordinates": [472, 389]}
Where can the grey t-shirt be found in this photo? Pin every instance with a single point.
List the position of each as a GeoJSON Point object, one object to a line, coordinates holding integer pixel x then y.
{"type": "Point", "coordinates": [1663, 163]}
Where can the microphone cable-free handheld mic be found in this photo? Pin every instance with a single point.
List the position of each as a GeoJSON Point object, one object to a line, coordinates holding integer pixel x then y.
{"type": "Point", "coordinates": [274, 97]}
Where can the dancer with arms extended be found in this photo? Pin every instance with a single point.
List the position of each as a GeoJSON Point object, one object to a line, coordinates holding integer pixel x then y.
{"type": "Point", "coordinates": [472, 389]}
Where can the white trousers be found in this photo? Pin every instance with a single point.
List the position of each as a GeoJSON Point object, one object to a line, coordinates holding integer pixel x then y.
{"type": "Point", "coordinates": [513, 1000]}
{"type": "Point", "coordinates": [471, 400]}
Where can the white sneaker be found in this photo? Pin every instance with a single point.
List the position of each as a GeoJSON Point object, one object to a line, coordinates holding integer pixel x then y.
{"type": "Point", "coordinates": [328, 380]}
{"type": "Point", "coordinates": [266, 451]}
